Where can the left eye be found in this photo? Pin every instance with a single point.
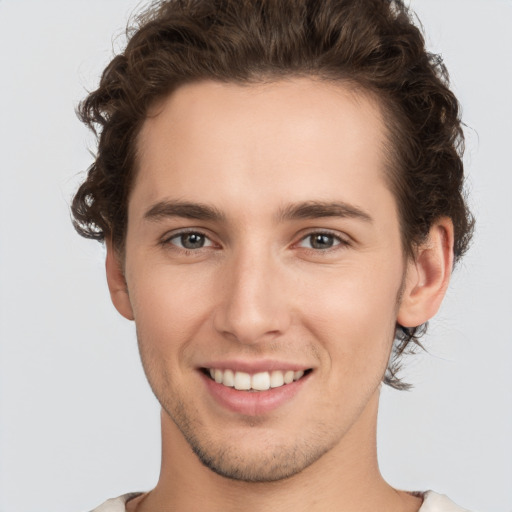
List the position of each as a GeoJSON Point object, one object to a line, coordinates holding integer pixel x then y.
{"type": "Point", "coordinates": [190, 241]}
{"type": "Point", "coordinates": [320, 241]}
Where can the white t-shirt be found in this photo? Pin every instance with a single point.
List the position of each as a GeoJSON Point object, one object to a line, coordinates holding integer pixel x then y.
{"type": "Point", "coordinates": [432, 502]}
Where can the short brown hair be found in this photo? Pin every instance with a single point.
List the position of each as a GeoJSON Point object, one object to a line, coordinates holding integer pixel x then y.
{"type": "Point", "coordinates": [370, 44]}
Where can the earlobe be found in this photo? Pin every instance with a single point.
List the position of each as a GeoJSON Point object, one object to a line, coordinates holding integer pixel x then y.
{"type": "Point", "coordinates": [428, 276]}
{"type": "Point", "coordinates": [117, 283]}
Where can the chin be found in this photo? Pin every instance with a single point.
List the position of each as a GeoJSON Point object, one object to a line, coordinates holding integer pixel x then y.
{"type": "Point", "coordinates": [256, 454]}
{"type": "Point", "coordinates": [257, 467]}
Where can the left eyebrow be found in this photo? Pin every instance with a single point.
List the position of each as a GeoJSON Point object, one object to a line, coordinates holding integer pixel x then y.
{"type": "Point", "coordinates": [318, 209]}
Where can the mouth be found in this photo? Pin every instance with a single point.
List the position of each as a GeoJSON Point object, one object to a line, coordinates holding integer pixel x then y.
{"type": "Point", "coordinates": [256, 382]}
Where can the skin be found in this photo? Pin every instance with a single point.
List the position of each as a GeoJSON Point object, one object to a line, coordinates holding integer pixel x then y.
{"type": "Point", "coordinates": [262, 287]}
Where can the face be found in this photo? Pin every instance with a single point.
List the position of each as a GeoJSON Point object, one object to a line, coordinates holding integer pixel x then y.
{"type": "Point", "coordinates": [263, 266]}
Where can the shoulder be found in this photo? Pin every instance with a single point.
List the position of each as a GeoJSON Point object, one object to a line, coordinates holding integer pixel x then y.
{"type": "Point", "coordinates": [433, 502]}
{"type": "Point", "coordinates": [116, 504]}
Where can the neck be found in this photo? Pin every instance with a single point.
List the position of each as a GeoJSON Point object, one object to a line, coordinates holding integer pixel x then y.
{"type": "Point", "coordinates": [346, 478]}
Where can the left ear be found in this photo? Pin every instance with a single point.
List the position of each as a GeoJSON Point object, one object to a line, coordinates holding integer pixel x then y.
{"type": "Point", "coordinates": [428, 276]}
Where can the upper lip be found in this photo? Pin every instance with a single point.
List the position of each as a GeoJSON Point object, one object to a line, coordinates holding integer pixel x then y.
{"type": "Point", "coordinates": [255, 366]}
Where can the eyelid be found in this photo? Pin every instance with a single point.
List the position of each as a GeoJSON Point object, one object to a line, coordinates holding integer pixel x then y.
{"type": "Point", "coordinates": [166, 239]}
{"type": "Point", "coordinates": [343, 241]}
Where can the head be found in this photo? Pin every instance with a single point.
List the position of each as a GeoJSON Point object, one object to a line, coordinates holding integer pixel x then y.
{"type": "Point", "coordinates": [181, 52]}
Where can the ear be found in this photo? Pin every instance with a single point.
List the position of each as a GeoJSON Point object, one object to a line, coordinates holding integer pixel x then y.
{"type": "Point", "coordinates": [117, 282]}
{"type": "Point", "coordinates": [428, 276]}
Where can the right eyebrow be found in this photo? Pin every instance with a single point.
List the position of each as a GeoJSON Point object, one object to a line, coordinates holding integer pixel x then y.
{"type": "Point", "coordinates": [167, 209]}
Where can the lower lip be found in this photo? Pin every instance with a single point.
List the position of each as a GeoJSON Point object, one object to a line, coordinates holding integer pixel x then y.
{"type": "Point", "coordinates": [253, 403]}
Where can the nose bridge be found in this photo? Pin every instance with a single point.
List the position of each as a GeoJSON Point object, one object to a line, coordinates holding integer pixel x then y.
{"type": "Point", "coordinates": [254, 306]}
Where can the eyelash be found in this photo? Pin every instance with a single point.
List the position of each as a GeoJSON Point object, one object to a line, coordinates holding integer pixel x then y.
{"type": "Point", "coordinates": [339, 242]}
{"type": "Point", "coordinates": [167, 241]}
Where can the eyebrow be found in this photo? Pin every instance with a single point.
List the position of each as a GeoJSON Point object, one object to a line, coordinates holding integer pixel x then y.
{"type": "Point", "coordinates": [184, 209]}
{"type": "Point", "coordinates": [297, 211]}
{"type": "Point", "coordinates": [318, 209]}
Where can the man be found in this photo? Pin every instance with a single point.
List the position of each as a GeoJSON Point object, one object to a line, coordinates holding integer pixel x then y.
{"type": "Point", "coordinates": [280, 189]}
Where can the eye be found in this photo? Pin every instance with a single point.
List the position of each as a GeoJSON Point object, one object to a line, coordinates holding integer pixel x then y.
{"type": "Point", "coordinates": [321, 241]}
{"type": "Point", "coordinates": [190, 240]}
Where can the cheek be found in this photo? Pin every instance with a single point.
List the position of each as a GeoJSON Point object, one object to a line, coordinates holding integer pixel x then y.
{"type": "Point", "coordinates": [354, 313]}
{"type": "Point", "coordinates": [170, 307]}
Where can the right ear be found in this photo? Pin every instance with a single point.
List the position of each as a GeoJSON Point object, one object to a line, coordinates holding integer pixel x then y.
{"type": "Point", "coordinates": [117, 282]}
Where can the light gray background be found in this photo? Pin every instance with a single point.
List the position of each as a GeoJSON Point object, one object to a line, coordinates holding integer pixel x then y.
{"type": "Point", "coordinates": [78, 423]}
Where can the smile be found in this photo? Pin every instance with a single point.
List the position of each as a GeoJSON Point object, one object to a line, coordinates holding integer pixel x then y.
{"type": "Point", "coordinates": [261, 381]}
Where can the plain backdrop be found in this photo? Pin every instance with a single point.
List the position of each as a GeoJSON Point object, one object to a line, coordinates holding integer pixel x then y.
{"type": "Point", "coordinates": [78, 423]}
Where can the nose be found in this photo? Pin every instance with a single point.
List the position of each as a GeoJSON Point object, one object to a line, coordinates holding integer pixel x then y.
{"type": "Point", "coordinates": [254, 305]}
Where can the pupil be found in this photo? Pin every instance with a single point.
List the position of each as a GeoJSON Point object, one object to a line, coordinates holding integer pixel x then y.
{"type": "Point", "coordinates": [322, 241]}
{"type": "Point", "coordinates": [192, 240]}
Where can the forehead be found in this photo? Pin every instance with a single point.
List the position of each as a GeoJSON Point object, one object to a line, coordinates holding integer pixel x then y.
{"type": "Point", "coordinates": [248, 146]}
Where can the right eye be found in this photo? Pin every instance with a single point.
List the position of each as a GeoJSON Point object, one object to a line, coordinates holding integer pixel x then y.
{"type": "Point", "coordinates": [190, 240]}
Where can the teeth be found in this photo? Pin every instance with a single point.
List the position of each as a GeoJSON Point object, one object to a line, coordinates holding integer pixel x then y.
{"type": "Point", "coordinates": [276, 379]}
{"type": "Point", "coordinates": [242, 381]}
{"type": "Point", "coordinates": [261, 381]}
{"type": "Point", "coordinates": [228, 378]}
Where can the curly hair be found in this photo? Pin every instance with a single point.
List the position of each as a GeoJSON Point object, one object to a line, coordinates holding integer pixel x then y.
{"type": "Point", "coordinates": [373, 45]}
